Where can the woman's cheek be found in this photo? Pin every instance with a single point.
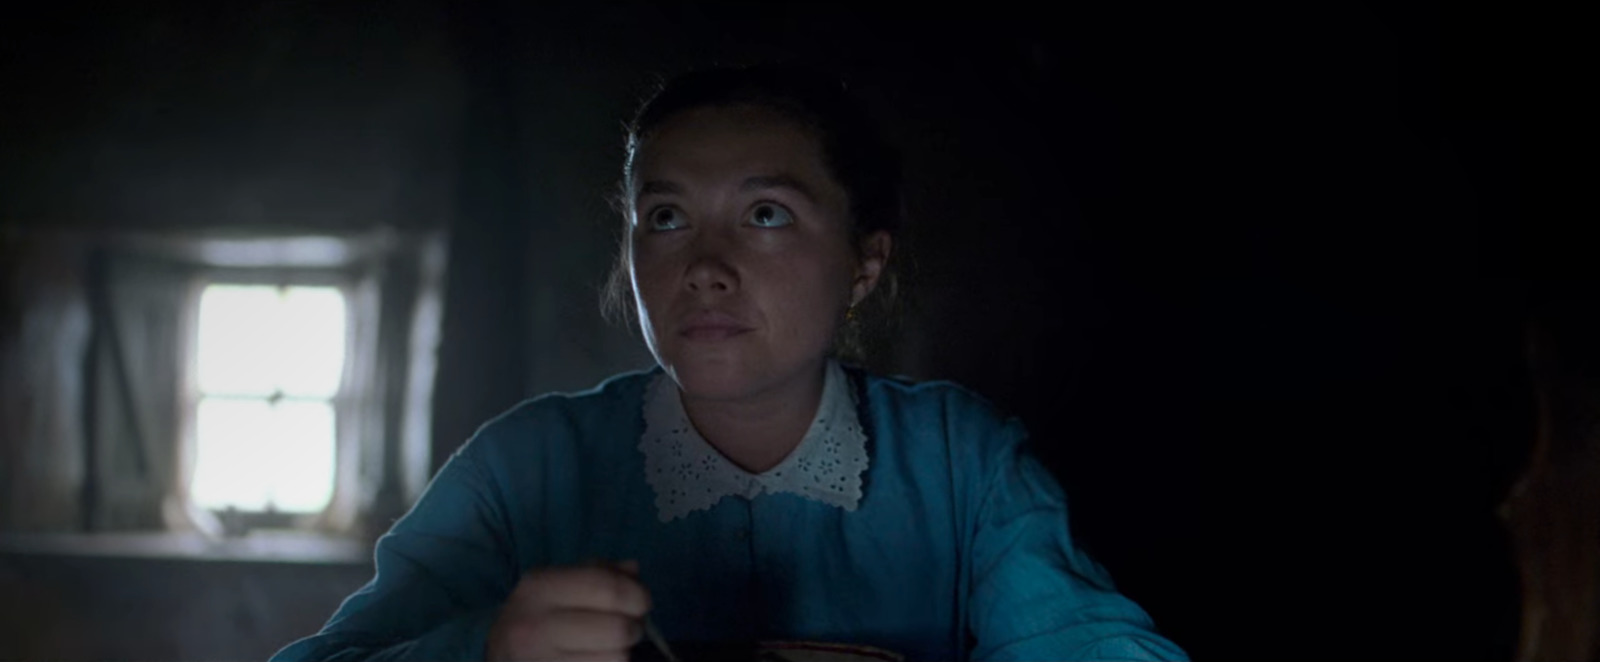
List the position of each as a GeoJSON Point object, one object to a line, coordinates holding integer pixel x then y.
{"type": "Point", "coordinates": [647, 281]}
{"type": "Point", "coordinates": [807, 287]}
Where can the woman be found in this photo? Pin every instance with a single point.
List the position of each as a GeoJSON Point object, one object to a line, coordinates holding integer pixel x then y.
{"type": "Point", "coordinates": [751, 487]}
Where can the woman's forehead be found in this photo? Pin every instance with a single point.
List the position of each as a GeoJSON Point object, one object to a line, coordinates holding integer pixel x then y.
{"type": "Point", "coordinates": [720, 145]}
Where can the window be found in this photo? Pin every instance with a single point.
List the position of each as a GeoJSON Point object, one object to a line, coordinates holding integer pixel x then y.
{"type": "Point", "coordinates": [270, 362]}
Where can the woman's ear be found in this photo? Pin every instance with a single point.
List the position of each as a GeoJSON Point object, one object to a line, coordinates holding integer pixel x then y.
{"type": "Point", "coordinates": [874, 252]}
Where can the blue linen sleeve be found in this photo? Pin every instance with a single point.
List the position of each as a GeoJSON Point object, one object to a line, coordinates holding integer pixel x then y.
{"type": "Point", "coordinates": [441, 574]}
{"type": "Point", "coordinates": [1034, 595]}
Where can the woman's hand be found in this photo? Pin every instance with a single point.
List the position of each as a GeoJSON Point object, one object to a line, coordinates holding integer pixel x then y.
{"type": "Point", "coordinates": [583, 613]}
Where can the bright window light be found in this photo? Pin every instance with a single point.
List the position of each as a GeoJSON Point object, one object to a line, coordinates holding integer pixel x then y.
{"type": "Point", "coordinates": [269, 364]}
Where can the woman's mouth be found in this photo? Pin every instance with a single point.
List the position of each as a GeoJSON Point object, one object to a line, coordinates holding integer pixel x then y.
{"type": "Point", "coordinates": [712, 333]}
{"type": "Point", "coordinates": [711, 326]}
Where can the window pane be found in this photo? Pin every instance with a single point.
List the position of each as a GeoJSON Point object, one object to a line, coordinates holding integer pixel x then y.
{"type": "Point", "coordinates": [301, 461]}
{"type": "Point", "coordinates": [238, 333]}
{"type": "Point", "coordinates": [256, 338]}
{"type": "Point", "coordinates": [232, 439]}
{"type": "Point", "coordinates": [251, 453]}
{"type": "Point", "coordinates": [310, 347]}
{"type": "Point", "coordinates": [258, 347]}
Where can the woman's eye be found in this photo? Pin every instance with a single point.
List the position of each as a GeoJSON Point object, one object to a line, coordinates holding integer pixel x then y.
{"type": "Point", "coordinates": [665, 218]}
{"type": "Point", "coordinates": [770, 216]}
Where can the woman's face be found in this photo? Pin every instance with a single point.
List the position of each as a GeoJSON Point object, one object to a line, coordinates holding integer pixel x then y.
{"type": "Point", "coordinates": [741, 254]}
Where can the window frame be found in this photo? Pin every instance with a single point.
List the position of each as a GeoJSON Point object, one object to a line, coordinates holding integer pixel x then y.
{"type": "Point", "coordinates": [348, 281]}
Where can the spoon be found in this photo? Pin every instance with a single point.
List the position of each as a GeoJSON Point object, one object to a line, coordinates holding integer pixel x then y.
{"type": "Point", "coordinates": [651, 631]}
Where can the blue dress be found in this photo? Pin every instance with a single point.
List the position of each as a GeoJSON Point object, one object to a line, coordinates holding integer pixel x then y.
{"type": "Point", "coordinates": [959, 547]}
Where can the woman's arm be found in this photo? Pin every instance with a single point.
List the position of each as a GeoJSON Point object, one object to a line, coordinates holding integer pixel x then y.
{"type": "Point", "coordinates": [443, 571]}
{"type": "Point", "coordinates": [1034, 594]}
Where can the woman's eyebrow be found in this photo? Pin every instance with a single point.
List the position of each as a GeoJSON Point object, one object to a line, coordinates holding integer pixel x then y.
{"type": "Point", "coordinates": [659, 187]}
{"type": "Point", "coordinates": [763, 182]}
{"type": "Point", "coordinates": [750, 184]}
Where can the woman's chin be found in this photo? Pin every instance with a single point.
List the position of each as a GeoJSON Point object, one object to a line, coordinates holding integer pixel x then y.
{"type": "Point", "coordinates": [733, 372]}
{"type": "Point", "coordinates": [713, 380]}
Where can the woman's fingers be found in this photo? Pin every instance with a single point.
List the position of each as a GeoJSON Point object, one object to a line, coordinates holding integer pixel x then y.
{"type": "Point", "coordinates": [614, 656]}
{"type": "Point", "coordinates": [587, 613]}
{"type": "Point", "coordinates": [566, 635]}
{"type": "Point", "coordinates": [591, 631]}
{"type": "Point", "coordinates": [557, 634]}
{"type": "Point", "coordinates": [592, 588]}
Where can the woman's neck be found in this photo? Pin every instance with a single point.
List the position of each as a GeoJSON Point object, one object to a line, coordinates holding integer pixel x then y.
{"type": "Point", "coordinates": [758, 432]}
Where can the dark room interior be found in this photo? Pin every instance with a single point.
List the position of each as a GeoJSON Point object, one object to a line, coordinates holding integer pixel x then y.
{"type": "Point", "coordinates": [1256, 278]}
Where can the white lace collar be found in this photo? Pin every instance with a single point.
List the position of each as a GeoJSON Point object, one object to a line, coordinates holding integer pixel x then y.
{"type": "Point", "coordinates": [688, 473]}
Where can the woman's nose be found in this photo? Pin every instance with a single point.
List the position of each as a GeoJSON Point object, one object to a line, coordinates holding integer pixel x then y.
{"type": "Point", "coordinates": [711, 272]}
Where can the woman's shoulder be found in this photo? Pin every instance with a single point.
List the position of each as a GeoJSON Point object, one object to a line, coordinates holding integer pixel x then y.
{"type": "Point", "coordinates": [939, 425]}
{"type": "Point", "coordinates": [922, 401]}
{"type": "Point", "coordinates": [614, 401]}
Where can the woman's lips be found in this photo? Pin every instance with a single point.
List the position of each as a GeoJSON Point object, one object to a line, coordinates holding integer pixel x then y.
{"type": "Point", "coordinates": [712, 333]}
{"type": "Point", "coordinates": [712, 326]}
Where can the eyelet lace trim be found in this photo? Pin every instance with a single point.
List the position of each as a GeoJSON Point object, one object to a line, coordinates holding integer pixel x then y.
{"type": "Point", "coordinates": [688, 474]}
